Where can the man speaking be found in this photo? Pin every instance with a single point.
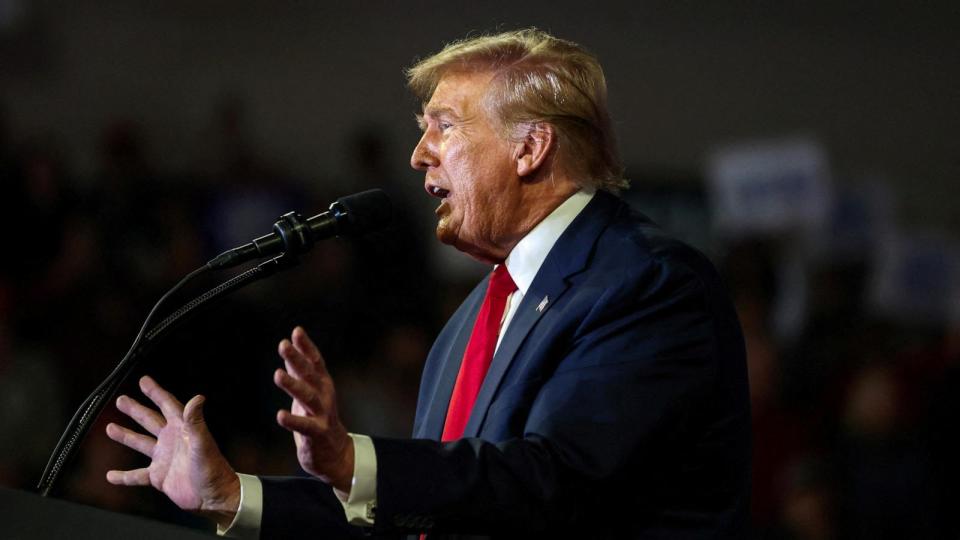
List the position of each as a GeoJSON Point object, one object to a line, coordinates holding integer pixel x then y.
{"type": "Point", "coordinates": [593, 385]}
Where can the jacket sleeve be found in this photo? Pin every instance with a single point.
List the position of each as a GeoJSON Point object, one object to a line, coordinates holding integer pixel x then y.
{"type": "Point", "coordinates": [296, 507]}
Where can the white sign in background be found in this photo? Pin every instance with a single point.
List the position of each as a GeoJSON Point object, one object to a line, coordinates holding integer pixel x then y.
{"type": "Point", "coordinates": [862, 215]}
{"type": "Point", "coordinates": [915, 277]}
{"type": "Point", "coordinates": [770, 187]}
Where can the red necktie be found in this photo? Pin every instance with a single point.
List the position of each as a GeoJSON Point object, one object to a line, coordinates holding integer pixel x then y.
{"type": "Point", "coordinates": [479, 353]}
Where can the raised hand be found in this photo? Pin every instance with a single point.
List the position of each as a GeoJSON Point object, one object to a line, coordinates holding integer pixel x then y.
{"type": "Point", "coordinates": [185, 463]}
{"type": "Point", "coordinates": [324, 448]}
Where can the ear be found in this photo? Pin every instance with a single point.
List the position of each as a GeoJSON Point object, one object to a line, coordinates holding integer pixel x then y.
{"type": "Point", "coordinates": [535, 145]}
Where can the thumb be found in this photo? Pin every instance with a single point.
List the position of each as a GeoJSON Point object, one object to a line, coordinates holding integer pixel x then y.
{"type": "Point", "coordinates": [193, 411]}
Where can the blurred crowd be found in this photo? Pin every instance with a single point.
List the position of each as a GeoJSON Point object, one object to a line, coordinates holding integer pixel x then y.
{"type": "Point", "coordinates": [851, 409]}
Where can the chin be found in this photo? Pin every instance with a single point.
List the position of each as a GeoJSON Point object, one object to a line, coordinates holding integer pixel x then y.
{"type": "Point", "coordinates": [446, 236]}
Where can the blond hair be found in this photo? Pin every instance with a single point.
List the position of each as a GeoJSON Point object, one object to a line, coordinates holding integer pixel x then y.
{"type": "Point", "coordinates": [539, 78]}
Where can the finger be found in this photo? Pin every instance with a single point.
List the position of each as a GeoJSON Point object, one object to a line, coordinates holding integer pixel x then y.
{"type": "Point", "coordinates": [304, 425]}
{"type": "Point", "coordinates": [149, 419]}
{"type": "Point", "coordinates": [193, 411]}
{"type": "Point", "coordinates": [300, 390]}
{"type": "Point", "coordinates": [131, 439]}
{"type": "Point", "coordinates": [305, 345]}
{"type": "Point", "coordinates": [136, 477]}
{"type": "Point", "coordinates": [168, 404]}
{"type": "Point", "coordinates": [298, 364]}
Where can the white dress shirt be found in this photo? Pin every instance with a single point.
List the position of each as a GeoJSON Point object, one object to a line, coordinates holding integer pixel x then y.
{"type": "Point", "coordinates": [523, 263]}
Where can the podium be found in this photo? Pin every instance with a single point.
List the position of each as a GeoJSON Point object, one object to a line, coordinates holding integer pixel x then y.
{"type": "Point", "coordinates": [27, 516]}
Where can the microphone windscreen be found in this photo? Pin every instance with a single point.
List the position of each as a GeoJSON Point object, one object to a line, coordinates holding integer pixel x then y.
{"type": "Point", "coordinates": [365, 211]}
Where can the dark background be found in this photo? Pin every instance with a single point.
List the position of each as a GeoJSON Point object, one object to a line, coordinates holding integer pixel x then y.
{"type": "Point", "coordinates": [138, 139]}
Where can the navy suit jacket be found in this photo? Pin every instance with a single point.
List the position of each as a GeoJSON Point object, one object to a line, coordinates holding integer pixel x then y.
{"type": "Point", "coordinates": [616, 406]}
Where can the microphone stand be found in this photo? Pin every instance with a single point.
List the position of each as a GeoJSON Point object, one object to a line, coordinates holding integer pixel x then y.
{"type": "Point", "coordinates": [91, 407]}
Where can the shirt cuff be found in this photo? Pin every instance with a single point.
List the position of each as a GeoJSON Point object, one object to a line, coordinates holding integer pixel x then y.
{"type": "Point", "coordinates": [246, 524]}
{"type": "Point", "coordinates": [360, 504]}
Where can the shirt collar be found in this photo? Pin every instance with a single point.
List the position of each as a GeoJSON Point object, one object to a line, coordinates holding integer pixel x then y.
{"type": "Point", "coordinates": [526, 258]}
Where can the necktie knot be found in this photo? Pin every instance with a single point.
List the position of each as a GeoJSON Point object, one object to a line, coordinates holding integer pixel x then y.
{"type": "Point", "coordinates": [501, 284]}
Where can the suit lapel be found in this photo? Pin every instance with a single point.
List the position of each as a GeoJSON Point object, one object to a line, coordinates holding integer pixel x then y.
{"type": "Point", "coordinates": [568, 256]}
{"type": "Point", "coordinates": [435, 410]}
{"type": "Point", "coordinates": [523, 321]}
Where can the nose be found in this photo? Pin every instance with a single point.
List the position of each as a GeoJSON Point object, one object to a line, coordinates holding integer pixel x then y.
{"type": "Point", "coordinates": [423, 156]}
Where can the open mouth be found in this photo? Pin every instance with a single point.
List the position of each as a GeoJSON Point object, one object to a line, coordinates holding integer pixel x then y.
{"type": "Point", "coordinates": [438, 192]}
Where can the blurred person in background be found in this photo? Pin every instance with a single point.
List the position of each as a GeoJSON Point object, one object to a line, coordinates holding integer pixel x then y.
{"type": "Point", "coordinates": [26, 371]}
{"type": "Point", "coordinates": [884, 481]}
{"type": "Point", "coordinates": [807, 511]}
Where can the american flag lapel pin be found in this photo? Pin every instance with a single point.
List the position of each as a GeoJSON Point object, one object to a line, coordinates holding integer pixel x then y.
{"type": "Point", "coordinates": [543, 304]}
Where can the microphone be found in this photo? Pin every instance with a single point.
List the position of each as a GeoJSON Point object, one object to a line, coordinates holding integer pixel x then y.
{"type": "Point", "coordinates": [348, 216]}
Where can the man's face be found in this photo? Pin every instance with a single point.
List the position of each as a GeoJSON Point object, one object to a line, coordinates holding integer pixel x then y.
{"type": "Point", "coordinates": [470, 167]}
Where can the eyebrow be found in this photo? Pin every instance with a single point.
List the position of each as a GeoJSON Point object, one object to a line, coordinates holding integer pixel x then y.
{"type": "Point", "coordinates": [434, 112]}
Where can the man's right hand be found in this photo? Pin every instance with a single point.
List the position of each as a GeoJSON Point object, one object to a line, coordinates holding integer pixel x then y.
{"type": "Point", "coordinates": [186, 464]}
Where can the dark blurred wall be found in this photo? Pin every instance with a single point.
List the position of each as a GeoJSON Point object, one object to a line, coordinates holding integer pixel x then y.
{"type": "Point", "coordinates": [877, 83]}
